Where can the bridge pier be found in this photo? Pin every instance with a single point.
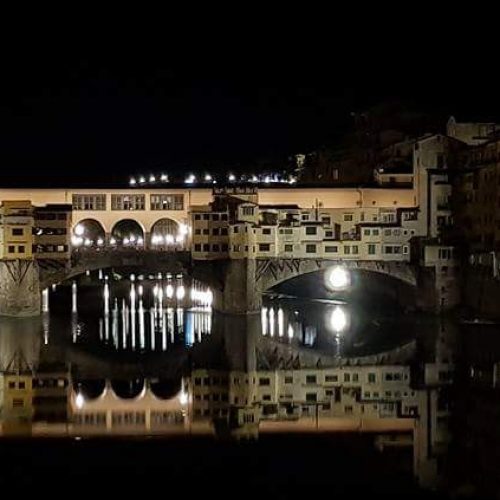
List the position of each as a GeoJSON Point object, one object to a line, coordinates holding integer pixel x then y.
{"type": "Point", "coordinates": [239, 294]}
{"type": "Point", "coordinates": [19, 288]}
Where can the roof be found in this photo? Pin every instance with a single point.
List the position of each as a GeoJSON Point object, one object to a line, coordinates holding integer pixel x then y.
{"type": "Point", "coordinates": [55, 207]}
{"type": "Point", "coordinates": [281, 207]}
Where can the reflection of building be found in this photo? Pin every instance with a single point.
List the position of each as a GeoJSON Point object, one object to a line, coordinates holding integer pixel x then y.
{"type": "Point", "coordinates": [16, 395]}
{"type": "Point", "coordinates": [51, 389]}
{"type": "Point", "coordinates": [371, 397]}
{"type": "Point", "coordinates": [144, 414]}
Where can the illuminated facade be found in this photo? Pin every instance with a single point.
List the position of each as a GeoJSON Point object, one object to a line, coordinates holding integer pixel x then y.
{"type": "Point", "coordinates": [16, 230]}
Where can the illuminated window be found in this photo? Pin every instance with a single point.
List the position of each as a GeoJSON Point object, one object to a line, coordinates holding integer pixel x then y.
{"type": "Point", "coordinates": [128, 201]}
{"type": "Point", "coordinates": [167, 202]}
{"type": "Point", "coordinates": [331, 249]}
{"type": "Point", "coordinates": [89, 202]}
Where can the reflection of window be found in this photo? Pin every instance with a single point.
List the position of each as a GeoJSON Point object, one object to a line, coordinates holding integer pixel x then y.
{"type": "Point", "coordinates": [288, 248]}
{"type": "Point", "coordinates": [264, 247]}
{"type": "Point", "coordinates": [310, 248]}
{"type": "Point", "coordinates": [264, 381]}
{"type": "Point", "coordinates": [331, 249]}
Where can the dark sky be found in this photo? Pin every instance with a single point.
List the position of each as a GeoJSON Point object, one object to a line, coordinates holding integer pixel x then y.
{"type": "Point", "coordinates": [127, 109]}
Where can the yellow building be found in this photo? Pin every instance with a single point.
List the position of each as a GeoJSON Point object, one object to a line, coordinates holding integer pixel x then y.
{"type": "Point", "coordinates": [16, 230]}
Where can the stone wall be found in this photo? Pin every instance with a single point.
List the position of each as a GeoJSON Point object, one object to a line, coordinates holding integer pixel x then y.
{"type": "Point", "coordinates": [19, 288]}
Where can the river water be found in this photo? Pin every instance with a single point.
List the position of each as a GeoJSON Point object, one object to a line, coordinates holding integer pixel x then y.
{"type": "Point", "coordinates": [139, 353]}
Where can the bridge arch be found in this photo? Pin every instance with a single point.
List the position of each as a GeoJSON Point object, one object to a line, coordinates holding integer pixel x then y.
{"type": "Point", "coordinates": [89, 231]}
{"type": "Point", "coordinates": [163, 231]}
{"type": "Point", "coordinates": [272, 272]}
{"type": "Point", "coordinates": [128, 232]}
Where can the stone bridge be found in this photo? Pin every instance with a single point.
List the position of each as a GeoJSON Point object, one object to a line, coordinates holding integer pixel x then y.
{"type": "Point", "coordinates": [92, 260]}
{"type": "Point", "coordinates": [237, 284]}
{"type": "Point", "coordinates": [272, 272]}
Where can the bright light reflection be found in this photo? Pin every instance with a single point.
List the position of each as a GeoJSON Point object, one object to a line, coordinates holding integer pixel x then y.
{"type": "Point", "coordinates": [79, 230]}
{"type": "Point", "coordinates": [180, 292]}
{"type": "Point", "coordinates": [169, 290]}
{"type": "Point", "coordinates": [337, 278]}
{"type": "Point", "coordinates": [338, 319]}
{"type": "Point", "coordinates": [79, 401]}
{"type": "Point", "coordinates": [183, 398]}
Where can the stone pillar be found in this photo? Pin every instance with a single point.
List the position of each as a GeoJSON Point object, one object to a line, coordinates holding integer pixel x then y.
{"type": "Point", "coordinates": [239, 295]}
{"type": "Point", "coordinates": [20, 294]}
{"type": "Point", "coordinates": [147, 240]}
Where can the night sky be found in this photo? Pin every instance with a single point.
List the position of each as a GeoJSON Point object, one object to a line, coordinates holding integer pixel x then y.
{"type": "Point", "coordinates": [123, 110]}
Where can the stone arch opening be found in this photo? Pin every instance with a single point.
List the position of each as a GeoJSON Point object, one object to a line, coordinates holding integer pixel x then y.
{"type": "Point", "coordinates": [165, 232]}
{"type": "Point", "coordinates": [88, 232]}
{"type": "Point", "coordinates": [89, 389]}
{"type": "Point", "coordinates": [128, 389]}
{"type": "Point", "coordinates": [128, 233]}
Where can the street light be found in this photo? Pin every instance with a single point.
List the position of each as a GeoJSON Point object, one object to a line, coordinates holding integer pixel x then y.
{"type": "Point", "coordinates": [337, 278]}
